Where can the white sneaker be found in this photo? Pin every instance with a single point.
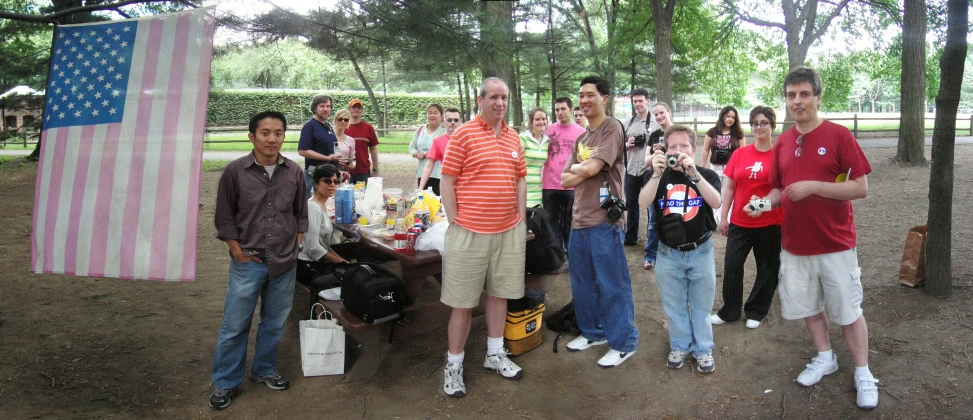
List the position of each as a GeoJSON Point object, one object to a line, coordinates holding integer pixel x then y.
{"type": "Point", "coordinates": [867, 392]}
{"type": "Point", "coordinates": [817, 370]}
{"type": "Point", "coordinates": [453, 380]}
{"type": "Point", "coordinates": [503, 365]}
{"type": "Point", "coordinates": [675, 359]}
{"type": "Point", "coordinates": [581, 343]}
{"type": "Point", "coordinates": [705, 363]}
{"type": "Point", "coordinates": [614, 358]}
{"type": "Point", "coordinates": [716, 320]}
{"type": "Point", "coordinates": [752, 323]}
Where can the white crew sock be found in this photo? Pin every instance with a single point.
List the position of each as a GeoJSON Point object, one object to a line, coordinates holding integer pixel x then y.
{"type": "Point", "coordinates": [494, 344]}
{"type": "Point", "coordinates": [826, 355]}
{"type": "Point", "coordinates": [455, 358]}
{"type": "Point", "coordinates": [862, 372]}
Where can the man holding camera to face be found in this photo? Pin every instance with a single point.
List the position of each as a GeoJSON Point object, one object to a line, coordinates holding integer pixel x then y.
{"type": "Point", "coordinates": [600, 283]}
{"type": "Point", "coordinates": [684, 196]}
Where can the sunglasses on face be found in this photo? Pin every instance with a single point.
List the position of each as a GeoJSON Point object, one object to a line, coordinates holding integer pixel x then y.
{"type": "Point", "coordinates": [452, 120]}
{"type": "Point", "coordinates": [329, 181]}
{"type": "Point", "coordinates": [343, 120]}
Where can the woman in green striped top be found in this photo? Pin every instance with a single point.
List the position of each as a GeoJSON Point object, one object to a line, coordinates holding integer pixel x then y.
{"type": "Point", "coordinates": [534, 142]}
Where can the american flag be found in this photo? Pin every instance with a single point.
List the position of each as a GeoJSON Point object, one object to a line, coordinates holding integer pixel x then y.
{"type": "Point", "coordinates": [117, 191]}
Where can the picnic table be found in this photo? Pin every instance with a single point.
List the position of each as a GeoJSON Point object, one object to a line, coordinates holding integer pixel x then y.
{"type": "Point", "coordinates": [376, 339]}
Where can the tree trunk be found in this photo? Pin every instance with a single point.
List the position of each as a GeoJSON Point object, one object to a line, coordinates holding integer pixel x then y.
{"type": "Point", "coordinates": [551, 56]}
{"type": "Point", "coordinates": [459, 94]}
{"type": "Point", "coordinates": [662, 19]}
{"type": "Point", "coordinates": [912, 126]}
{"type": "Point", "coordinates": [611, 16]}
{"type": "Point", "coordinates": [516, 99]}
{"type": "Point", "coordinates": [939, 246]}
{"type": "Point", "coordinates": [368, 87]}
{"type": "Point", "coordinates": [589, 35]}
{"type": "Point", "coordinates": [496, 28]}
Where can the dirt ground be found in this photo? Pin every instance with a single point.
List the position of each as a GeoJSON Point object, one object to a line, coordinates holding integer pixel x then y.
{"type": "Point", "coordinates": [75, 347]}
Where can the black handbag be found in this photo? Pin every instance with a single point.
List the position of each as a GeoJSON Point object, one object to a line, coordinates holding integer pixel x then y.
{"type": "Point", "coordinates": [373, 294]}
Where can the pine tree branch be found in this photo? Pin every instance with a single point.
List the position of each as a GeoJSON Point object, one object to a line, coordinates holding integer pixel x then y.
{"type": "Point", "coordinates": [52, 18]}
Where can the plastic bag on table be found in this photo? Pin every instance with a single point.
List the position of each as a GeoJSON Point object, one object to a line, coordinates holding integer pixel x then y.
{"type": "Point", "coordinates": [433, 238]}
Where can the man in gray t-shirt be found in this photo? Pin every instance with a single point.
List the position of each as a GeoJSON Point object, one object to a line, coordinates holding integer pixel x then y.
{"type": "Point", "coordinates": [637, 130]}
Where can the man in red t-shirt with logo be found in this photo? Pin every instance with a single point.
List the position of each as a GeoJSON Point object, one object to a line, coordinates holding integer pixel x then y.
{"type": "Point", "coordinates": [818, 168]}
{"type": "Point", "coordinates": [366, 143]}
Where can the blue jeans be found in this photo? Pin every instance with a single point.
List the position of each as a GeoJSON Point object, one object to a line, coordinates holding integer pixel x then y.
{"type": "Point", "coordinates": [601, 286]}
{"type": "Point", "coordinates": [687, 285]}
{"type": "Point", "coordinates": [651, 236]}
{"type": "Point", "coordinates": [309, 184]}
{"type": "Point", "coordinates": [248, 281]}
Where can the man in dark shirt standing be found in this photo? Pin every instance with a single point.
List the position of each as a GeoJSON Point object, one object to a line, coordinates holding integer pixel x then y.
{"type": "Point", "coordinates": [261, 214]}
{"type": "Point", "coordinates": [317, 141]}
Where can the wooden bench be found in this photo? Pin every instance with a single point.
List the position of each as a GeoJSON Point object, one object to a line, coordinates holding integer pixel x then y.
{"type": "Point", "coordinates": [375, 339]}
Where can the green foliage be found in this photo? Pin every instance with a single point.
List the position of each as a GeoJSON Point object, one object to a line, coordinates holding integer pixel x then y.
{"type": "Point", "coordinates": [836, 81]}
{"type": "Point", "coordinates": [234, 108]}
{"type": "Point", "coordinates": [774, 57]}
{"type": "Point", "coordinates": [285, 63]}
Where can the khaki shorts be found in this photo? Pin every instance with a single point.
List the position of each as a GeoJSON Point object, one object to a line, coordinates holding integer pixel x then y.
{"type": "Point", "coordinates": [809, 283]}
{"type": "Point", "coordinates": [473, 260]}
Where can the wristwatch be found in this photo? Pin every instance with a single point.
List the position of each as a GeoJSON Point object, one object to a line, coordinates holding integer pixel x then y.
{"type": "Point", "coordinates": [300, 247]}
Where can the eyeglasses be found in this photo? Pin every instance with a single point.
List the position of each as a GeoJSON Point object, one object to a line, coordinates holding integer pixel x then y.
{"type": "Point", "coordinates": [761, 124]}
{"type": "Point", "coordinates": [330, 181]}
{"type": "Point", "coordinates": [343, 120]}
{"type": "Point", "coordinates": [800, 146]}
{"type": "Point", "coordinates": [452, 120]}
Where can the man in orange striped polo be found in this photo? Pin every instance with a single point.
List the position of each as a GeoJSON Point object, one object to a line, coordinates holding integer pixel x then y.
{"type": "Point", "coordinates": [484, 194]}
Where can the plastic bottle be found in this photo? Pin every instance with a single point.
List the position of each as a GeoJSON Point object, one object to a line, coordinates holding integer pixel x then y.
{"type": "Point", "coordinates": [421, 211]}
{"type": "Point", "coordinates": [413, 236]}
{"type": "Point", "coordinates": [391, 207]}
{"type": "Point", "coordinates": [401, 239]}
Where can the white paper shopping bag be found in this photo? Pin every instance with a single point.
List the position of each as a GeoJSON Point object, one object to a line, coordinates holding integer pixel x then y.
{"type": "Point", "coordinates": [322, 345]}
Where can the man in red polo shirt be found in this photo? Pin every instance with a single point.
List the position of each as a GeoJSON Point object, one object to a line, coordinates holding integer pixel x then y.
{"type": "Point", "coordinates": [484, 194]}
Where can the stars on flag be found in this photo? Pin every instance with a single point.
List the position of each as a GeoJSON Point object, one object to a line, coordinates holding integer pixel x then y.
{"type": "Point", "coordinates": [79, 66]}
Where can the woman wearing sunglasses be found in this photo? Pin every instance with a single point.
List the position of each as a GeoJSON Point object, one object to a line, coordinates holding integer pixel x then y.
{"type": "Point", "coordinates": [346, 144]}
{"type": "Point", "coordinates": [534, 142]}
{"type": "Point", "coordinates": [316, 250]}
{"type": "Point", "coordinates": [747, 176]}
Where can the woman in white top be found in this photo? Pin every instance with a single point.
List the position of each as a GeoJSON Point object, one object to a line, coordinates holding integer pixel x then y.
{"type": "Point", "coordinates": [422, 142]}
{"type": "Point", "coordinates": [316, 248]}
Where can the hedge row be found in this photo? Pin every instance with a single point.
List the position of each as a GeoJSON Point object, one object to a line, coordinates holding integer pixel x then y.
{"type": "Point", "coordinates": [234, 108]}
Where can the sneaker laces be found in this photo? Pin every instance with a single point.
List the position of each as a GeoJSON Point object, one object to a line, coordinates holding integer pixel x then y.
{"type": "Point", "coordinates": [272, 376]}
{"type": "Point", "coordinates": [222, 393]}
{"type": "Point", "coordinates": [453, 378]}
{"type": "Point", "coordinates": [679, 354]}
{"type": "Point", "coordinates": [705, 358]}
{"type": "Point", "coordinates": [504, 362]}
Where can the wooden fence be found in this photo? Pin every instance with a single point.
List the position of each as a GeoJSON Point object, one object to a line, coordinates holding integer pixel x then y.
{"type": "Point", "coordinates": [858, 126]}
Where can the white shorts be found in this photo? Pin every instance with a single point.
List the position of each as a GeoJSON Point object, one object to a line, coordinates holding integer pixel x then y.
{"type": "Point", "coordinates": [809, 283]}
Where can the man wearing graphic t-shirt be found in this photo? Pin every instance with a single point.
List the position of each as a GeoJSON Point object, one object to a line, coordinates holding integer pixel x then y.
{"type": "Point", "coordinates": [600, 283]}
{"type": "Point", "coordinates": [818, 168]}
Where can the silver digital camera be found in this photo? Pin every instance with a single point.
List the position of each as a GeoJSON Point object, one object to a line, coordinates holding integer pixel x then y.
{"type": "Point", "coordinates": [759, 204]}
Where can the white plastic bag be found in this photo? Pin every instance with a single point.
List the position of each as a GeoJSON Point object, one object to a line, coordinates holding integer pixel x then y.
{"type": "Point", "coordinates": [322, 345]}
{"type": "Point", "coordinates": [373, 196]}
{"type": "Point", "coordinates": [433, 238]}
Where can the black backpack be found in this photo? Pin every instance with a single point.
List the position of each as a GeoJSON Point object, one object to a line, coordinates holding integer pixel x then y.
{"type": "Point", "coordinates": [545, 252]}
{"type": "Point", "coordinates": [563, 321]}
{"type": "Point", "coordinates": [373, 293]}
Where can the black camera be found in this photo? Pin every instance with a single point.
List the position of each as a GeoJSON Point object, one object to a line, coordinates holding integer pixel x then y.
{"type": "Point", "coordinates": [722, 155]}
{"type": "Point", "coordinates": [672, 161]}
{"type": "Point", "coordinates": [639, 140]}
{"type": "Point", "coordinates": [615, 207]}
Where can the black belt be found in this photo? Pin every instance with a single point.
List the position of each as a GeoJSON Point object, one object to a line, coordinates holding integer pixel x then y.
{"type": "Point", "coordinates": [693, 245]}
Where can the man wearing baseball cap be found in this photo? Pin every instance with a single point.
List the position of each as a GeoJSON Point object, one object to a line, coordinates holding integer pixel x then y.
{"type": "Point", "coordinates": [366, 143]}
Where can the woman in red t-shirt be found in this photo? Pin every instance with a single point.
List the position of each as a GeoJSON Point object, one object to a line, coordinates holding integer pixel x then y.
{"type": "Point", "coordinates": [747, 176]}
